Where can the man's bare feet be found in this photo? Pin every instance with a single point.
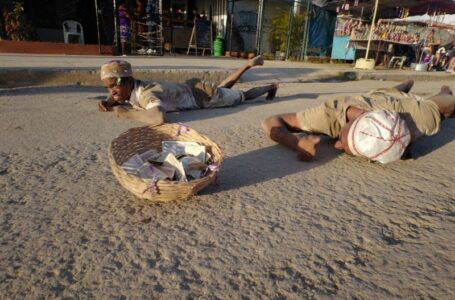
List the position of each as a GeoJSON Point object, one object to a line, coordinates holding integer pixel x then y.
{"type": "Point", "coordinates": [272, 93]}
{"type": "Point", "coordinates": [445, 90]}
{"type": "Point", "coordinates": [256, 61]}
{"type": "Point", "coordinates": [405, 86]}
{"type": "Point", "coordinates": [306, 147]}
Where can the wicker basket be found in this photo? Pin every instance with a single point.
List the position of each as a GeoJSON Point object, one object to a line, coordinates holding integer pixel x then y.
{"type": "Point", "coordinates": [140, 139]}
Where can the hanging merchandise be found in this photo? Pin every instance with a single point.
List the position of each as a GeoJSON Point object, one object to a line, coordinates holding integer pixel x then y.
{"type": "Point", "coordinates": [404, 13]}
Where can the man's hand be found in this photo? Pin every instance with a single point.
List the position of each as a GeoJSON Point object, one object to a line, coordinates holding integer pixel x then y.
{"type": "Point", "coordinates": [104, 106]}
{"type": "Point", "coordinates": [306, 147]}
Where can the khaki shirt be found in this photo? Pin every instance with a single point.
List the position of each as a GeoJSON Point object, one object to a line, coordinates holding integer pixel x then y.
{"type": "Point", "coordinates": [171, 96]}
{"type": "Point", "coordinates": [422, 116]}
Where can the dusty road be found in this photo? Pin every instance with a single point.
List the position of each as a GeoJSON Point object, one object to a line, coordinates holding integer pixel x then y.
{"type": "Point", "coordinates": [274, 228]}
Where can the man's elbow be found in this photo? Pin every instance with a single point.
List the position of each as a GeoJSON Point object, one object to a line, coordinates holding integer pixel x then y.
{"type": "Point", "coordinates": [160, 119]}
{"type": "Point", "coordinates": [157, 117]}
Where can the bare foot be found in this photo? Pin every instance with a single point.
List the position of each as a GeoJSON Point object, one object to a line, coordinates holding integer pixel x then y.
{"type": "Point", "coordinates": [256, 61]}
{"type": "Point", "coordinates": [405, 86]}
{"type": "Point", "coordinates": [445, 90]}
{"type": "Point", "coordinates": [306, 148]}
{"type": "Point", "coordinates": [272, 93]}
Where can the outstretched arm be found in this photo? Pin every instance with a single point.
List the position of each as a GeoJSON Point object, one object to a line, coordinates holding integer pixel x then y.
{"type": "Point", "coordinates": [107, 105]}
{"type": "Point", "coordinates": [280, 128]}
{"type": "Point", "coordinates": [153, 116]}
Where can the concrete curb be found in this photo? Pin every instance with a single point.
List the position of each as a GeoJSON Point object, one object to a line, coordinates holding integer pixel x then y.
{"type": "Point", "coordinates": [14, 78]}
{"type": "Point", "coordinates": [350, 75]}
{"type": "Point", "coordinates": [52, 77]}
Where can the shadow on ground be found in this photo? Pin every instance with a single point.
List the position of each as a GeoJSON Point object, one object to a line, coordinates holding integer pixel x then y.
{"type": "Point", "coordinates": [429, 144]}
{"type": "Point", "coordinates": [266, 164]}
{"type": "Point", "coordinates": [41, 90]}
{"type": "Point", "coordinates": [174, 117]}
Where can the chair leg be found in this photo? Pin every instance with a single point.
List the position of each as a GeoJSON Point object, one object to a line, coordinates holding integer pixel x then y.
{"type": "Point", "coordinates": [403, 60]}
{"type": "Point", "coordinates": [392, 62]}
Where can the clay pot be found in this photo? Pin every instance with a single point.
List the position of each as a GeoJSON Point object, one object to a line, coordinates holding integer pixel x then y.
{"type": "Point", "coordinates": [234, 54]}
{"type": "Point", "coordinates": [251, 55]}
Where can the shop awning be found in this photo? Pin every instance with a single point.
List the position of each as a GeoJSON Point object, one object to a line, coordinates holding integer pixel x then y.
{"type": "Point", "coordinates": [426, 18]}
{"type": "Point", "coordinates": [387, 8]}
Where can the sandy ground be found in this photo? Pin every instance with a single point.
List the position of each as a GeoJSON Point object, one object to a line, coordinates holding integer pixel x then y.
{"type": "Point", "coordinates": [274, 228]}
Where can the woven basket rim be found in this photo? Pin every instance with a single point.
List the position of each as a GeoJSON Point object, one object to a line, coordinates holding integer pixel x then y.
{"type": "Point", "coordinates": [133, 183]}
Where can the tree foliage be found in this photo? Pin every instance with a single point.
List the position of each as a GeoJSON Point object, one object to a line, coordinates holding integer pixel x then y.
{"type": "Point", "coordinates": [16, 25]}
{"type": "Point", "coordinates": [279, 31]}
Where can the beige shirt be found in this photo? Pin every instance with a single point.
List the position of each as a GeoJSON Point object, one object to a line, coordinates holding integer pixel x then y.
{"type": "Point", "coordinates": [422, 116]}
{"type": "Point", "coordinates": [171, 96]}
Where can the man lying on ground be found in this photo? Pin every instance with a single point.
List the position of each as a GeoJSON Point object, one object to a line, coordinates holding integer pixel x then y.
{"type": "Point", "coordinates": [379, 125]}
{"type": "Point", "coordinates": [148, 101]}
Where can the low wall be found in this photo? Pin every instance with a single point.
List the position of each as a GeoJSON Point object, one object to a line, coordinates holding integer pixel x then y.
{"type": "Point", "coordinates": [52, 48]}
{"type": "Point", "coordinates": [34, 77]}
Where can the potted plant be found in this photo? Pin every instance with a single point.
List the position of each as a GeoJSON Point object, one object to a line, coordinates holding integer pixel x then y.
{"type": "Point", "coordinates": [16, 26]}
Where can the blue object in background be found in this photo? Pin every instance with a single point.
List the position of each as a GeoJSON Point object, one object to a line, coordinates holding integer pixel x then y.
{"type": "Point", "coordinates": [322, 27]}
{"type": "Point", "coordinates": [340, 50]}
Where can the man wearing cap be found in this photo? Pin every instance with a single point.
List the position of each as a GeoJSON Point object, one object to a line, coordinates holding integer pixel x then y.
{"type": "Point", "coordinates": [378, 126]}
{"type": "Point", "coordinates": [148, 101]}
{"type": "Point", "coordinates": [441, 59]}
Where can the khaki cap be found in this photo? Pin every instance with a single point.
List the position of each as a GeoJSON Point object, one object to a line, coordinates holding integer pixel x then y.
{"type": "Point", "coordinates": [115, 69]}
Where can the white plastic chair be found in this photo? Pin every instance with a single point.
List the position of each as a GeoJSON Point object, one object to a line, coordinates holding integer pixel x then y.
{"type": "Point", "coordinates": [72, 28]}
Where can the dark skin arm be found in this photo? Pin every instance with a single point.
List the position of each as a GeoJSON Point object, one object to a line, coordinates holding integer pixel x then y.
{"type": "Point", "coordinates": [107, 105]}
{"type": "Point", "coordinates": [280, 128]}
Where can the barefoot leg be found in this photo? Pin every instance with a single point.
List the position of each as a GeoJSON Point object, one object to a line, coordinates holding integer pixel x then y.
{"type": "Point", "coordinates": [405, 86]}
{"type": "Point", "coordinates": [445, 101]}
{"type": "Point", "coordinates": [259, 91]}
{"type": "Point", "coordinates": [272, 92]}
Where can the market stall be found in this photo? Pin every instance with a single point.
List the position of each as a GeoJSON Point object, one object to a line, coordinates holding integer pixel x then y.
{"type": "Point", "coordinates": [403, 37]}
{"type": "Point", "coordinates": [354, 39]}
{"type": "Point", "coordinates": [393, 38]}
{"type": "Point", "coordinates": [347, 28]}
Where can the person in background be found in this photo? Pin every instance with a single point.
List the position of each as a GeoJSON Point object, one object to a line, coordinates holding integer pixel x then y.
{"type": "Point", "coordinates": [448, 61]}
{"type": "Point", "coordinates": [451, 66]}
{"type": "Point", "coordinates": [440, 60]}
{"type": "Point", "coordinates": [125, 29]}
